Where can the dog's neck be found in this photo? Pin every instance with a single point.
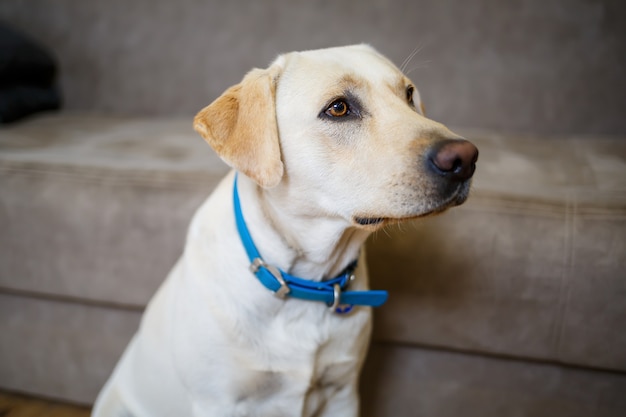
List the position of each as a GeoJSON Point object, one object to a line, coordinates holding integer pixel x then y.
{"type": "Point", "coordinates": [299, 243]}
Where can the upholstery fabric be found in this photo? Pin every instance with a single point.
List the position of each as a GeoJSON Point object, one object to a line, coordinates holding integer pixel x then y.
{"type": "Point", "coordinates": [93, 213]}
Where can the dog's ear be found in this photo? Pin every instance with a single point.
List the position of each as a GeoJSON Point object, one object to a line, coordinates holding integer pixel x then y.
{"type": "Point", "coordinates": [240, 126]}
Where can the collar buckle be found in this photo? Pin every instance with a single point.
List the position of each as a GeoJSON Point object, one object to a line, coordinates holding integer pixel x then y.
{"type": "Point", "coordinates": [284, 289]}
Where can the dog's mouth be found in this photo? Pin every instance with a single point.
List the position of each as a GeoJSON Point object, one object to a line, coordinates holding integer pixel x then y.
{"type": "Point", "coordinates": [379, 221]}
{"type": "Point", "coordinates": [456, 199]}
{"type": "Point", "coordinates": [369, 221]}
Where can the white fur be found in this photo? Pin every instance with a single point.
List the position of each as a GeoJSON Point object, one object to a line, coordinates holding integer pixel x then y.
{"type": "Point", "coordinates": [215, 342]}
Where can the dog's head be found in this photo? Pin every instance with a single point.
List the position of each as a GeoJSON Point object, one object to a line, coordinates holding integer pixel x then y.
{"type": "Point", "coordinates": [340, 132]}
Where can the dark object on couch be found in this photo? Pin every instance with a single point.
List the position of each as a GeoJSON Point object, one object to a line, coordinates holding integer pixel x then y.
{"type": "Point", "coordinates": [27, 77]}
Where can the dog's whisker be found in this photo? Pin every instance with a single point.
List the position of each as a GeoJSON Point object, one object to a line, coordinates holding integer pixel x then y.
{"type": "Point", "coordinates": [423, 64]}
{"type": "Point", "coordinates": [409, 58]}
{"type": "Point", "coordinates": [386, 231]}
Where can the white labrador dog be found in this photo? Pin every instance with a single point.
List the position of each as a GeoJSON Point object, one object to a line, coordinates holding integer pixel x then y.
{"type": "Point", "coordinates": [330, 145]}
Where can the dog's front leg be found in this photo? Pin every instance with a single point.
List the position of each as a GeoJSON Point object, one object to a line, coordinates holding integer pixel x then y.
{"type": "Point", "coordinates": [343, 402]}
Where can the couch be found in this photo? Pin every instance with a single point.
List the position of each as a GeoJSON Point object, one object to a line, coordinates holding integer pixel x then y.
{"type": "Point", "coordinates": [510, 305]}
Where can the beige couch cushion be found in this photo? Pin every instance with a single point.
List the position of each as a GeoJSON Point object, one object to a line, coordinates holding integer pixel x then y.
{"type": "Point", "coordinates": [94, 212]}
{"type": "Point", "coordinates": [97, 208]}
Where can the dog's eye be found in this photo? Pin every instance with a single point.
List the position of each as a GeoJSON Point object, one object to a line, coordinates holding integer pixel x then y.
{"type": "Point", "coordinates": [409, 94]}
{"type": "Point", "coordinates": [338, 108]}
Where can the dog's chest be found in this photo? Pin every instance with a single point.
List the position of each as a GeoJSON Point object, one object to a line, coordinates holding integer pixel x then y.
{"type": "Point", "coordinates": [303, 362]}
{"type": "Point", "coordinates": [297, 359]}
{"type": "Point", "coordinates": [307, 340]}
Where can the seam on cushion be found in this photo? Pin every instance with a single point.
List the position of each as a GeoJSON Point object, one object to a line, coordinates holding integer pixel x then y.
{"type": "Point", "coordinates": [153, 178]}
{"type": "Point", "coordinates": [565, 287]}
{"type": "Point", "coordinates": [496, 203]}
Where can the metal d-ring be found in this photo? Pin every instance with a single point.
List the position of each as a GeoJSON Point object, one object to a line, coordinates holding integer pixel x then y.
{"type": "Point", "coordinates": [336, 297]}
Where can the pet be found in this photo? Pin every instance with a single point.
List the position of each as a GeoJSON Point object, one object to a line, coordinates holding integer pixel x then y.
{"type": "Point", "coordinates": [268, 311]}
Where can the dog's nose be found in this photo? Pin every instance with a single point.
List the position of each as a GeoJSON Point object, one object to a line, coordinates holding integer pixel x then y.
{"type": "Point", "coordinates": [454, 159]}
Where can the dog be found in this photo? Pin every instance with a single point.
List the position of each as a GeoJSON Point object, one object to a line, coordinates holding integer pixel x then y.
{"type": "Point", "coordinates": [268, 311]}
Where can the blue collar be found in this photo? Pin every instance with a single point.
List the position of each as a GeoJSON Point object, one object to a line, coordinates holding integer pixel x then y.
{"type": "Point", "coordinates": [332, 292]}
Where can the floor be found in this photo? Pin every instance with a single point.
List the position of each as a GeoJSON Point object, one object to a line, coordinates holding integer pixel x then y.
{"type": "Point", "coordinates": [14, 405]}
